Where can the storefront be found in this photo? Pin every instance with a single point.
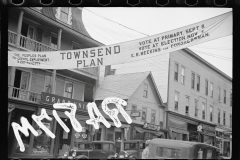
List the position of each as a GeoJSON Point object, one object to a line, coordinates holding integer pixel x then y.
{"type": "Point", "coordinates": [186, 128]}
{"type": "Point", "coordinates": [224, 141]}
{"type": "Point", "coordinates": [43, 146]}
{"type": "Point", "coordinates": [145, 131]}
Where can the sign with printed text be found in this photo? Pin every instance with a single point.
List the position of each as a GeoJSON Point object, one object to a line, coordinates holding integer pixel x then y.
{"type": "Point", "coordinates": [151, 126]}
{"type": "Point", "coordinates": [48, 98]}
{"type": "Point", "coordinates": [126, 52]}
{"type": "Point", "coordinates": [135, 114]}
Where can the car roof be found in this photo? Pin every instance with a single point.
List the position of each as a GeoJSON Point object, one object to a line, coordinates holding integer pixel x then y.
{"type": "Point", "coordinates": [134, 141]}
{"type": "Point", "coordinates": [175, 143]}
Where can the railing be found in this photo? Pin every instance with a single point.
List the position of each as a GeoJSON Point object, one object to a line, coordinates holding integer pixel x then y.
{"type": "Point", "coordinates": [12, 37]}
{"type": "Point", "coordinates": [28, 43]}
{"type": "Point", "coordinates": [21, 94]}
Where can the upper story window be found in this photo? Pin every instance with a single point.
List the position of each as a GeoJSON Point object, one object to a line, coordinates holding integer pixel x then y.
{"type": "Point", "coordinates": [230, 116]}
{"type": "Point", "coordinates": [219, 94]}
{"type": "Point", "coordinates": [145, 91]}
{"type": "Point", "coordinates": [48, 84]}
{"type": "Point", "coordinates": [53, 41]}
{"type": "Point", "coordinates": [230, 99]}
{"type": "Point", "coordinates": [211, 113]}
{"type": "Point", "coordinates": [203, 110]}
{"type": "Point", "coordinates": [224, 118]}
{"type": "Point", "coordinates": [134, 109]}
{"type": "Point", "coordinates": [224, 98]}
{"type": "Point", "coordinates": [153, 115]}
{"type": "Point", "coordinates": [144, 114]}
{"type": "Point", "coordinates": [198, 83]}
{"type": "Point", "coordinates": [64, 14]}
{"type": "Point", "coordinates": [219, 116]}
{"type": "Point", "coordinates": [187, 105]}
{"type": "Point", "coordinates": [68, 91]}
{"type": "Point", "coordinates": [183, 75]}
{"type": "Point", "coordinates": [196, 108]}
{"type": "Point", "coordinates": [176, 72]}
{"type": "Point", "coordinates": [211, 88]}
{"type": "Point", "coordinates": [176, 100]}
{"type": "Point", "coordinates": [193, 80]}
{"type": "Point", "coordinates": [206, 87]}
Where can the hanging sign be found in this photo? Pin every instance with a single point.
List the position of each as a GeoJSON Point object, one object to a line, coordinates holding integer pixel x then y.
{"type": "Point", "coordinates": [84, 135]}
{"type": "Point", "coordinates": [151, 126]}
{"type": "Point", "coordinates": [77, 135]}
{"type": "Point", "coordinates": [135, 114]}
{"type": "Point", "coordinates": [11, 107]}
{"type": "Point", "coordinates": [126, 52]}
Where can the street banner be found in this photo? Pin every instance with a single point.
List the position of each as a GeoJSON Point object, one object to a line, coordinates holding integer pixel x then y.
{"type": "Point", "coordinates": [210, 29]}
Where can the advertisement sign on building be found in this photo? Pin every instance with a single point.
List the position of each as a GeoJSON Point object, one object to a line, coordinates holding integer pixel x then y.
{"type": "Point", "coordinates": [48, 98]}
{"type": "Point", "coordinates": [151, 126]}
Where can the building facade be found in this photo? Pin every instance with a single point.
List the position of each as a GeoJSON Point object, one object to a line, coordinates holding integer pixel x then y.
{"type": "Point", "coordinates": [29, 90]}
{"type": "Point", "coordinates": [199, 95]}
{"type": "Point", "coordinates": [144, 105]}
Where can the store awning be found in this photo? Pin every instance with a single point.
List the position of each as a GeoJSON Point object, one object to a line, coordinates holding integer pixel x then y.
{"type": "Point", "coordinates": [122, 126]}
{"type": "Point", "coordinates": [142, 130]}
{"type": "Point", "coordinates": [178, 130]}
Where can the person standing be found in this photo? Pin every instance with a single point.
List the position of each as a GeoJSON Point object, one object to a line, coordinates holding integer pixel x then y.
{"type": "Point", "coordinates": [145, 152]}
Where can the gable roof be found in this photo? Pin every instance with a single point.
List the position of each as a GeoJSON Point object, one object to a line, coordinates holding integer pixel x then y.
{"type": "Point", "coordinates": [122, 85]}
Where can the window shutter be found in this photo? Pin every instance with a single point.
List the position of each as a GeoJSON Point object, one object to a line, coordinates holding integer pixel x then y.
{"type": "Point", "coordinates": [39, 34]}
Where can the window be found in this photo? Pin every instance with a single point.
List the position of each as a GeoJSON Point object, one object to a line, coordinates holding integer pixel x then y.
{"type": "Point", "coordinates": [230, 120]}
{"type": "Point", "coordinates": [64, 14]}
{"type": "Point", "coordinates": [219, 114]}
{"type": "Point", "coordinates": [168, 153]}
{"type": "Point", "coordinates": [230, 99]}
{"type": "Point", "coordinates": [211, 113]}
{"type": "Point", "coordinates": [145, 91]}
{"type": "Point", "coordinates": [42, 143]}
{"type": "Point", "coordinates": [224, 118]}
{"type": "Point", "coordinates": [68, 89]}
{"type": "Point", "coordinates": [176, 100]}
{"type": "Point", "coordinates": [219, 94]}
{"type": "Point", "coordinates": [193, 80]}
{"type": "Point", "coordinates": [187, 106]}
{"type": "Point", "coordinates": [144, 114]}
{"type": "Point", "coordinates": [183, 75]}
{"type": "Point", "coordinates": [196, 108]}
{"type": "Point", "coordinates": [53, 42]}
{"type": "Point", "coordinates": [176, 72]}
{"type": "Point", "coordinates": [198, 83]}
{"type": "Point", "coordinates": [206, 87]}
{"type": "Point", "coordinates": [224, 99]}
{"type": "Point", "coordinates": [153, 116]}
{"type": "Point", "coordinates": [211, 88]}
{"type": "Point", "coordinates": [134, 109]}
{"type": "Point", "coordinates": [203, 110]}
{"type": "Point", "coordinates": [48, 84]}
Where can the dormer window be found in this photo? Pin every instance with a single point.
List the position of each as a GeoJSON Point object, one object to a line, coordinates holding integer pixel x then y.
{"type": "Point", "coordinates": [64, 14]}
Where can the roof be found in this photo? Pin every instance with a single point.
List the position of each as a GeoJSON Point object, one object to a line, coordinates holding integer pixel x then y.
{"type": "Point", "coordinates": [120, 85]}
{"type": "Point", "coordinates": [187, 50]}
{"type": "Point", "coordinates": [174, 142]}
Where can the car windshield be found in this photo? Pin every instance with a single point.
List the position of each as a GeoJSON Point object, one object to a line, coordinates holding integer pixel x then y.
{"type": "Point", "coordinates": [83, 146]}
{"type": "Point", "coordinates": [130, 146]}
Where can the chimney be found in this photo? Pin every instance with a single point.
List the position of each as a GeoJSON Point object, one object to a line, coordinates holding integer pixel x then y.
{"type": "Point", "coordinates": [103, 72]}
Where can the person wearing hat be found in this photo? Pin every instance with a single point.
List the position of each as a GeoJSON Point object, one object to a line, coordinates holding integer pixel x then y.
{"type": "Point", "coordinates": [146, 150]}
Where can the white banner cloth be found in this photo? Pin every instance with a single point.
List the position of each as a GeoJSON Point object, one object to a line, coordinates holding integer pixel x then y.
{"type": "Point", "coordinates": [130, 51]}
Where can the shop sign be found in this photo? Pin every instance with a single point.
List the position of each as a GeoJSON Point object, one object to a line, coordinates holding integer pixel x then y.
{"type": "Point", "coordinates": [77, 135]}
{"type": "Point", "coordinates": [135, 114]}
{"type": "Point", "coordinates": [199, 128]}
{"type": "Point", "coordinates": [151, 126]}
{"type": "Point", "coordinates": [11, 107]}
{"type": "Point", "coordinates": [84, 135]}
{"type": "Point", "coordinates": [207, 127]}
{"type": "Point", "coordinates": [48, 98]}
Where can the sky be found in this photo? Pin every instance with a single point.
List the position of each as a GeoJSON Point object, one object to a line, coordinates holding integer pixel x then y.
{"type": "Point", "coordinates": [116, 25]}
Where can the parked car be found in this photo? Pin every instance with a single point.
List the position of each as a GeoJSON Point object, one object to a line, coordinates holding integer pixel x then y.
{"type": "Point", "coordinates": [176, 149]}
{"type": "Point", "coordinates": [92, 150]}
{"type": "Point", "coordinates": [132, 149]}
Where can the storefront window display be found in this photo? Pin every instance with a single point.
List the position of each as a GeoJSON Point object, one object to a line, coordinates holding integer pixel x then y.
{"type": "Point", "coordinates": [208, 139]}
{"type": "Point", "coordinates": [42, 143]}
{"type": "Point", "coordinates": [12, 142]}
{"type": "Point", "coordinates": [64, 138]}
